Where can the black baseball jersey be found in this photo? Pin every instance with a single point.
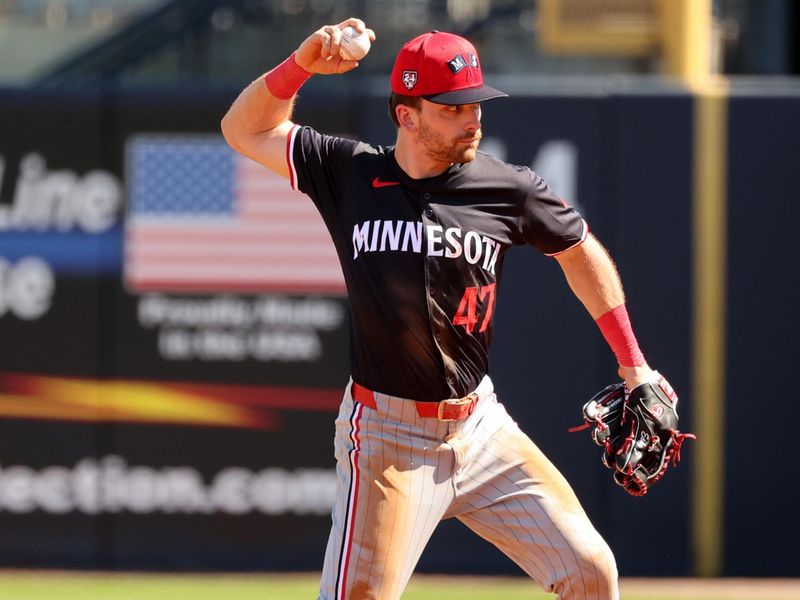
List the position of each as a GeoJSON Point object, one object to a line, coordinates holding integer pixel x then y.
{"type": "Point", "coordinates": [422, 258]}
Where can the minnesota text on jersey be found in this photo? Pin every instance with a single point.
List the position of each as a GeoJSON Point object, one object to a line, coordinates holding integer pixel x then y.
{"type": "Point", "coordinates": [450, 242]}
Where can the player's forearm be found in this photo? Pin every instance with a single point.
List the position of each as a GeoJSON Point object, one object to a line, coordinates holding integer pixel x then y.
{"type": "Point", "coordinates": [592, 276]}
{"type": "Point", "coordinates": [595, 281]}
{"type": "Point", "coordinates": [257, 111]}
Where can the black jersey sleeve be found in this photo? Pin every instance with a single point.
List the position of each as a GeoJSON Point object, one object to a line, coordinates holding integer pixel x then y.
{"type": "Point", "coordinates": [547, 222]}
{"type": "Point", "coordinates": [318, 164]}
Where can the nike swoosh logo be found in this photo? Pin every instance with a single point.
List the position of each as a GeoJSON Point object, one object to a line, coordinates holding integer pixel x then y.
{"type": "Point", "coordinates": [377, 183]}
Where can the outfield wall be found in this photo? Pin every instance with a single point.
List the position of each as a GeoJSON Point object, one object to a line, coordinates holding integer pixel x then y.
{"type": "Point", "coordinates": [145, 424]}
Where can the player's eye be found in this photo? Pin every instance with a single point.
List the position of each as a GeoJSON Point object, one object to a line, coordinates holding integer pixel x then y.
{"type": "Point", "coordinates": [459, 108]}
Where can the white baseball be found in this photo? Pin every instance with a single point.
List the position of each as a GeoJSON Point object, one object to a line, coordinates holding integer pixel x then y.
{"type": "Point", "coordinates": [354, 45]}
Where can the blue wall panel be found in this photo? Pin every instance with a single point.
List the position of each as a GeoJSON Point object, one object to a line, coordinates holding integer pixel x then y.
{"type": "Point", "coordinates": [763, 329]}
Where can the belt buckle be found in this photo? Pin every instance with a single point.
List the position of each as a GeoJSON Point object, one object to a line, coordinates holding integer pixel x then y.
{"type": "Point", "coordinates": [468, 400]}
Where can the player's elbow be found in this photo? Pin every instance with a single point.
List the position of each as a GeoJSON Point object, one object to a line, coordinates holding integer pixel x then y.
{"type": "Point", "coordinates": [244, 139]}
{"type": "Point", "coordinates": [237, 137]}
{"type": "Point", "coordinates": [237, 131]}
{"type": "Point", "coordinates": [230, 132]}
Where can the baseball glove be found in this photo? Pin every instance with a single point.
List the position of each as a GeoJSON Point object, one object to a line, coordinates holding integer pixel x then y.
{"type": "Point", "coordinates": [638, 431]}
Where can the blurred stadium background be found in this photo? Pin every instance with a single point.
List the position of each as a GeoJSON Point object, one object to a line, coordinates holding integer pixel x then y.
{"type": "Point", "coordinates": [173, 326]}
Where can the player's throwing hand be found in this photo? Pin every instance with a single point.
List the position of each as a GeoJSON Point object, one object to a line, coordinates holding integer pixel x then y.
{"type": "Point", "coordinates": [319, 52]}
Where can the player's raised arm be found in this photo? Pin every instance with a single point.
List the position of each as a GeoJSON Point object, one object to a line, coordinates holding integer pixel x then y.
{"type": "Point", "coordinates": [258, 121]}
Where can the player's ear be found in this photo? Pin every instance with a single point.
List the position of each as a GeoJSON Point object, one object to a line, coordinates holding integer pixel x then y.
{"type": "Point", "coordinates": [407, 117]}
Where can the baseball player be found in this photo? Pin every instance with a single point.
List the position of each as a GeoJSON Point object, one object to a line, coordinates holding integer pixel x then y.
{"type": "Point", "coordinates": [421, 229]}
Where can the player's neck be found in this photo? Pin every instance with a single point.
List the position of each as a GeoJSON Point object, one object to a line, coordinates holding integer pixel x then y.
{"type": "Point", "coordinates": [414, 162]}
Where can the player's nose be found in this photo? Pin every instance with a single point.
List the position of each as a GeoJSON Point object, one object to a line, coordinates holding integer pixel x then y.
{"type": "Point", "coordinates": [473, 122]}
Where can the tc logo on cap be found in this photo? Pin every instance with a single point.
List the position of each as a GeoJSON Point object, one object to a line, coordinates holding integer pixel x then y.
{"type": "Point", "coordinates": [409, 79]}
{"type": "Point", "coordinates": [458, 62]}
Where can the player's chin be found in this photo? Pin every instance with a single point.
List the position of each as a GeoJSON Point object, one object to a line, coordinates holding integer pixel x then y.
{"type": "Point", "coordinates": [465, 151]}
{"type": "Point", "coordinates": [468, 154]}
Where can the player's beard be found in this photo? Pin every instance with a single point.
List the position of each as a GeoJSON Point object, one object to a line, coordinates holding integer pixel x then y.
{"type": "Point", "coordinates": [439, 148]}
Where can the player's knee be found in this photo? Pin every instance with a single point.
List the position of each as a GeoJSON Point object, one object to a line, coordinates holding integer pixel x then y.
{"type": "Point", "coordinates": [605, 564]}
{"type": "Point", "coordinates": [592, 575]}
{"type": "Point", "coordinates": [598, 570]}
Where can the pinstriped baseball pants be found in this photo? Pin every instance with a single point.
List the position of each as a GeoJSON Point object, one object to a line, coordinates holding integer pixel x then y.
{"type": "Point", "coordinates": [400, 474]}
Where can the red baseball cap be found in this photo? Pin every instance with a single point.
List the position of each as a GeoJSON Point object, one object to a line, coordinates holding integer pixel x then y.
{"type": "Point", "coordinates": [443, 68]}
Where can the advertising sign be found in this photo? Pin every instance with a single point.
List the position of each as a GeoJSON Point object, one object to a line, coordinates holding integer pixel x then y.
{"type": "Point", "coordinates": [173, 349]}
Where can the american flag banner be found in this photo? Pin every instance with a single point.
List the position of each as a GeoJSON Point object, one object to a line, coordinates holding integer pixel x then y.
{"type": "Point", "coordinates": [203, 218]}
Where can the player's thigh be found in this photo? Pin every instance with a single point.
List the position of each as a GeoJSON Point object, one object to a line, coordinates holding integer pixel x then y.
{"type": "Point", "coordinates": [393, 490]}
{"type": "Point", "coordinates": [521, 503]}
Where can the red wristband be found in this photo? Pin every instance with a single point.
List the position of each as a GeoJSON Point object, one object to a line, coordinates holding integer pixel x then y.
{"type": "Point", "coordinates": [286, 79]}
{"type": "Point", "coordinates": [616, 328]}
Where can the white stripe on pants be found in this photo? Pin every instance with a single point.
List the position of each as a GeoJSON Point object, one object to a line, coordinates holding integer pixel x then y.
{"type": "Point", "coordinates": [400, 474]}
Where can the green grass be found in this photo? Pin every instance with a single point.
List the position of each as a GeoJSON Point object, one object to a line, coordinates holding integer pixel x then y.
{"type": "Point", "coordinates": [49, 585]}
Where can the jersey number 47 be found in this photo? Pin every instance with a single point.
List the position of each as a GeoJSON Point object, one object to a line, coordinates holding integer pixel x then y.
{"type": "Point", "coordinates": [467, 312]}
